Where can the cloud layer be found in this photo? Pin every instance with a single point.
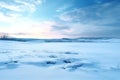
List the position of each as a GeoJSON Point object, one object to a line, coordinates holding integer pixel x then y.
{"type": "Point", "coordinates": [75, 18]}
{"type": "Point", "coordinates": [11, 9]}
{"type": "Point", "coordinates": [98, 20]}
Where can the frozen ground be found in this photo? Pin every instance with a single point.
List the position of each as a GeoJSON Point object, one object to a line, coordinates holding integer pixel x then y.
{"type": "Point", "coordinates": [60, 60]}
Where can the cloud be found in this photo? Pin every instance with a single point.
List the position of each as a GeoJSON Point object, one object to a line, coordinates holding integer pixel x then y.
{"type": "Point", "coordinates": [63, 8]}
{"type": "Point", "coordinates": [13, 13]}
{"type": "Point", "coordinates": [18, 8]}
{"type": "Point", "coordinates": [99, 12]}
{"type": "Point", "coordinates": [29, 5]}
{"type": "Point", "coordinates": [77, 29]}
{"type": "Point", "coordinates": [10, 7]}
{"type": "Point", "coordinates": [97, 20]}
{"type": "Point", "coordinates": [30, 28]}
{"type": "Point", "coordinates": [58, 26]}
{"type": "Point", "coordinates": [7, 19]}
{"type": "Point", "coordinates": [20, 5]}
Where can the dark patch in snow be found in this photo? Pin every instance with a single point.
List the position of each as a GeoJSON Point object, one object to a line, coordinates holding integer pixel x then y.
{"type": "Point", "coordinates": [73, 67]}
{"type": "Point", "coordinates": [50, 62]}
{"type": "Point", "coordinates": [81, 65]}
{"type": "Point", "coordinates": [11, 62]}
{"type": "Point", "coordinates": [66, 61]}
{"type": "Point", "coordinates": [70, 53]}
{"type": "Point", "coordinates": [9, 65]}
{"type": "Point", "coordinates": [54, 62]}
{"type": "Point", "coordinates": [3, 52]}
{"type": "Point", "coordinates": [52, 56]}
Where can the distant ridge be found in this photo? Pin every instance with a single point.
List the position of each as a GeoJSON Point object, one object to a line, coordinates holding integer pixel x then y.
{"type": "Point", "coordinates": [81, 39]}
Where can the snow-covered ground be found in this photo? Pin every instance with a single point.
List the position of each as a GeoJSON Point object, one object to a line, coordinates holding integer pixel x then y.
{"type": "Point", "coordinates": [60, 60]}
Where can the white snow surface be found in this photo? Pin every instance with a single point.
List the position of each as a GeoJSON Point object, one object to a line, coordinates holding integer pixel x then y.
{"type": "Point", "coordinates": [59, 60]}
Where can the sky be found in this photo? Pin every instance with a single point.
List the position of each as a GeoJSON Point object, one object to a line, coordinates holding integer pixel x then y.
{"type": "Point", "coordinates": [60, 18]}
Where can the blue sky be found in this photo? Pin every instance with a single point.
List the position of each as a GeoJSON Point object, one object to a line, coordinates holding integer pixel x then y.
{"type": "Point", "coordinates": [60, 18]}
